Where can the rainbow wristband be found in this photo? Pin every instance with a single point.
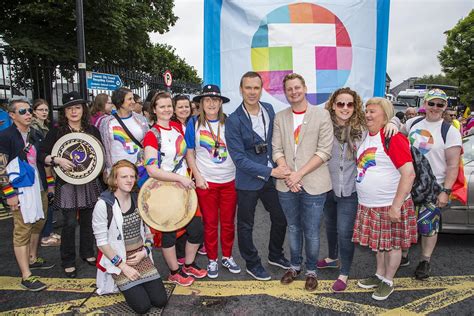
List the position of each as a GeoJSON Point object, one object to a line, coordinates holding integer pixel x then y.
{"type": "Point", "coordinates": [50, 181]}
{"type": "Point", "coordinates": [151, 161]}
{"type": "Point", "coordinates": [9, 191]}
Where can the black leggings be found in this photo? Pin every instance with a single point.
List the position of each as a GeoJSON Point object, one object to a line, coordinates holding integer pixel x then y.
{"type": "Point", "coordinates": [143, 296]}
{"type": "Point", "coordinates": [194, 232]}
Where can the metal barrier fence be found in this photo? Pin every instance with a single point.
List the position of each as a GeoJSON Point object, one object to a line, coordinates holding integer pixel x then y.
{"type": "Point", "coordinates": [51, 82]}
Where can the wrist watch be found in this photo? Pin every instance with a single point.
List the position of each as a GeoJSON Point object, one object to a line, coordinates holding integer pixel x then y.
{"type": "Point", "coordinates": [447, 191]}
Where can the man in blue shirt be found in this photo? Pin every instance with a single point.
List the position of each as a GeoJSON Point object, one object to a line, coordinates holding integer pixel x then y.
{"type": "Point", "coordinates": [249, 141]}
{"type": "Point", "coordinates": [5, 121]}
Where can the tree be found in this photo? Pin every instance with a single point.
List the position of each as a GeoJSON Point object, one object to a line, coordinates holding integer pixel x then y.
{"type": "Point", "coordinates": [457, 57]}
{"type": "Point", "coordinates": [42, 33]}
{"type": "Point", "coordinates": [437, 79]}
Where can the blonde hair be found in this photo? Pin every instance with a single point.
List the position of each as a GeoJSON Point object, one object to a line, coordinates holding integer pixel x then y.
{"type": "Point", "coordinates": [113, 174]}
{"type": "Point", "coordinates": [291, 77]}
{"type": "Point", "coordinates": [386, 105]}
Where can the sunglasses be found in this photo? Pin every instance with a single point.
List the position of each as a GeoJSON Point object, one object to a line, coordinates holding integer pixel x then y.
{"type": "Point", "coordinates": [341, 105]}
{"type": "Point", "coordinates": [23, 111]}
{"type": "Point", "coordinates": [439, 105]}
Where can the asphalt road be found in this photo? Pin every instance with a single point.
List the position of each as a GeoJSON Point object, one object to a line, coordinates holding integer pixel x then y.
{"type": "Point", "coordinates": [449, 291]}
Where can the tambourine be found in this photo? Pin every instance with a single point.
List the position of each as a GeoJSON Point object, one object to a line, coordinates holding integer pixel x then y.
{"type": "Point", "coordinates": [165, 207]}
{"type": "Point", "coordinates": [87, 154]}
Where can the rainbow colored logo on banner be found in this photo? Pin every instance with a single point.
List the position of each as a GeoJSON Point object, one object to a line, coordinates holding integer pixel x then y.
{"type": "Point", "coordinates": [331, 43]}
{"type": "Point", "coordinates": [322, 54]}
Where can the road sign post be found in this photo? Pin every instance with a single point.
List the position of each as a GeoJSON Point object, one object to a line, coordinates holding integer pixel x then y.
{"type": "Point", "coordinates": [101, 81]}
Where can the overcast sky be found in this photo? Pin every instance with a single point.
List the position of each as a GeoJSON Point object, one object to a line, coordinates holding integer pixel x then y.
{"type": "Point", "coordinates": [415, 34]}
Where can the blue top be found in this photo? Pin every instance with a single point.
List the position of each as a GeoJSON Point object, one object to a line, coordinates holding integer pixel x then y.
{"type": "Point", "coordinates": [5, 120]}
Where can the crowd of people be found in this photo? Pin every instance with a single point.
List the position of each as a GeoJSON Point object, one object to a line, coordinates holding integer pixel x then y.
{"type": "Point", "coordinates": [306, 164]}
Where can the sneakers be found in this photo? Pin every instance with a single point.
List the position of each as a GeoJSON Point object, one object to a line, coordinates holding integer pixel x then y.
{"type": "Point", "coordinates": [383, 291]}
{"type": "Point", "coordinates": [369, 283]}
{"type": "Point", "coordinates": [181, 261]}
{"type": "Point", "coordinates": [282, 263]}
{"type": "Point", "coordinates": [33, 284]}
{"type": "Point", "coordinates": [229, 263]}
{"type": "Point", "coordinates": [202, 251]}
{"type": "Point", "coordinates": [323, 264]}
{"type": "Point", "coordinates": [212, 269]}
{"type": "Point", "coordinates": [40, 264]}
{"type": "Point", "coordinates": [50, 242]}
{"type": "Point", "coordinates": [194, 271]}
{"type": "Point", "coordinates": [259, 273]}
{"type": "Point", "coordinates": [181, 278]}
{"type": "Point", "coordinates": [404, 262]}
{"type": "Point", "coordinates": [423, 270]}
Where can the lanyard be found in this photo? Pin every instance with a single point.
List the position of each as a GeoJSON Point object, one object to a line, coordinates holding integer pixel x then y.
{"type": "Point", "coordinates": [216, 139]}
{"type": "Point", "coordinates": [263, 120]}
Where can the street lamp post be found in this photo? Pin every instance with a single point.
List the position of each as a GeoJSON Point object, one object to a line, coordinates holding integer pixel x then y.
{"type": "Point", "coordinates": [81, 49]}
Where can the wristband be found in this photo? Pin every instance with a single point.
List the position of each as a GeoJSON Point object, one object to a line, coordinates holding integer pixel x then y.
{"type": "Point", "coordinates": [9, 191]}
{"type": "Point", "coordinates": [151, 161]}
{"type": "Point", "coordinates": [116, 261]}
{"type": "Point", "coordinates": [50, 181]}
{"type": "Point", "coordinates": [52, 161]}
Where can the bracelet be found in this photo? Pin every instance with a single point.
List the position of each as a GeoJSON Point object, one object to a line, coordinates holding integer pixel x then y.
{"type": "Point", "coordinates": [50, 181]}
{"type": "Point", "coordinates": [52, 161]}
{"type": "Point", "coordinates": [148, 245]}
{"type": "Point", "coordinates": [9, 191]}
{"type": "Point", "coordinates": [116, 261]}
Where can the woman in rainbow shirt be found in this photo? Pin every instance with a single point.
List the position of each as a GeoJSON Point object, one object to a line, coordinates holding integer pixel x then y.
{"type": "Point", "coordinates": [165, 160]}
{"type": "Point", "coordinates": [385, 220]}
{"type": "Point", "coordinates": [214, 171]}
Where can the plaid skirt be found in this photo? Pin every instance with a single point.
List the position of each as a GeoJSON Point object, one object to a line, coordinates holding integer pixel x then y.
{"type": "Point", "coordinates": [374, 229]}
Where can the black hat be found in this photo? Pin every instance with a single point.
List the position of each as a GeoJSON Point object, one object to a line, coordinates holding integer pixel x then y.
{"type": "Point", "coordinates": [210, 90]}
{"type": "Point", "coordinates": [72, 98]}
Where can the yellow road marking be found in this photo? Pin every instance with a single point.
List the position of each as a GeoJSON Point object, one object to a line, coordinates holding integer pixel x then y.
{"type": "Point", "coordinates": [453, 289]}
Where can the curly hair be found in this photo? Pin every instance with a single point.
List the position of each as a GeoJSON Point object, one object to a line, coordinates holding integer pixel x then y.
{"type": "Point", "coordinates": [357, 120]}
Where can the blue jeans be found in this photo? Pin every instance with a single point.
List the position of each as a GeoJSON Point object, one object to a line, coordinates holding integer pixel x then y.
{"type": "Point", "coordinates": [303, 213]}
{"type": "Point", "coordinates": [340, 214]}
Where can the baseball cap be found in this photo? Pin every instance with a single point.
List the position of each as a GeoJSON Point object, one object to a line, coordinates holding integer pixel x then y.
{"type": "Point", "coordinates": [436, 94]}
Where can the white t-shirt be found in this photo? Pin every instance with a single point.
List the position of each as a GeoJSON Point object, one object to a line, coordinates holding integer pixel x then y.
{"type": "Point", "coordinates": [297, 125]}
{"type": "Point", "coordinates": [260, 127]}
{"type": "Point", "coordinates": [426, 137]}
{"type": "Point", "coordinates": [213, 161]}
{"type": "Point", "coordinates": [122, 147]}
{"type": "Point", "coordinates": [173, 148]}
{"type": "Point", "coordinates": [377, 172]}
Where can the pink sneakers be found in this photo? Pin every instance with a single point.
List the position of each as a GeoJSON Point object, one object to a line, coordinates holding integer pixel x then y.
{"type": "Point", "coordinates": [181, 278]}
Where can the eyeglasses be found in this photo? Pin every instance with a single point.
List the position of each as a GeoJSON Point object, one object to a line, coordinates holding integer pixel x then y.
{"type": "Point", "coordinates": [439, 105]}
{"type": "Point", "coordinates": [341, 105]}
{"type": "Point", "coordinates": [23, 111]}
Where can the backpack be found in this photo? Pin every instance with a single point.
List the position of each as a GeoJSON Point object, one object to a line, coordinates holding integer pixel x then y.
{"type": "Point", "coordinates": [425, 187]}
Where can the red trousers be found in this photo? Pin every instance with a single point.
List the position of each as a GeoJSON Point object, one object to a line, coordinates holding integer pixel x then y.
{"type": "Point", "coordinates": [218, 203]}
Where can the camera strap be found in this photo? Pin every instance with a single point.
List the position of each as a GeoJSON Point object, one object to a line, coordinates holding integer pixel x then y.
{"type": "Point", "coordinates": [263, 120]}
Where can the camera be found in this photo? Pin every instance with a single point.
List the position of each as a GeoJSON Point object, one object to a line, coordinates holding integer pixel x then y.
{"type": "Point", "coordinates": [261, 148]}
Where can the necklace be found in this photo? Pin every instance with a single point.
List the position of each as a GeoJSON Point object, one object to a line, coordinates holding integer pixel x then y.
{"type": "Point", "coordinates": [73, 130]}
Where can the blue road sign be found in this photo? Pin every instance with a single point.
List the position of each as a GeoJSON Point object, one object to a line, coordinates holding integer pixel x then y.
{"type": "Point", "coordinates": [101, 81]}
